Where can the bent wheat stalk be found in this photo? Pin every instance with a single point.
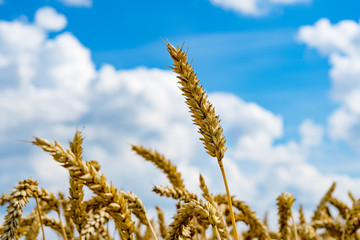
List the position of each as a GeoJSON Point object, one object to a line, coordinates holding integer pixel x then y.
{"type": "Point", "coordinates": [203, 114]}
{"type": "Point", "coordinates": [86, 172]}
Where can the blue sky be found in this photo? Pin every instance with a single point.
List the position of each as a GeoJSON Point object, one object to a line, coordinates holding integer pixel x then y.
{"type": "Point", "coordinates": [283, 75]}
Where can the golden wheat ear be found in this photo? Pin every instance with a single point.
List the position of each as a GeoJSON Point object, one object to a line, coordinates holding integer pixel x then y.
{"type": "Point", "coordinates": [202, 113]}
{"type": "Point", "coordinates": [17, 200]}
{"type": "Point", "coordinates": [284, 202]}
{"type": "Point", "coordinates": [159, 160]}
{"type": "Point", "coordinates": [88, 174]}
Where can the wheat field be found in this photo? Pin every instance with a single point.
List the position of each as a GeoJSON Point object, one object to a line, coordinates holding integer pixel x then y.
{"type": "Point", "coordinates": [209, 216]}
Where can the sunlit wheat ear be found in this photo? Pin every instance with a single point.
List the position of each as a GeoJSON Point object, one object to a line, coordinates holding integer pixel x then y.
{"type": "Point", "coordinates": [64, 208]}
{"type": "Point", "coordinates": [307, 232]}
{"type": "Point", "coordinates": [87, 173]}
{"type": "Point", "coordinates": [202, 113]}
{"type": "Point", "coordinates": [204, 212]}
{"type": "Point", "coordinates": [259, 229]}
{"type": "Point", "coordinates": [341, 207]}
{"type": "Point", "coordinates": [206, 193]}
{"type": "Point", "coordinates": [301, 215]}
{"type": "Point", "coordinates": [351, 196]}
{"type": "Point", "coordinates": [322, 206]}
{"type": "Point", "coordinates": [162, 224]}
{"type": "Point", "coordinates": [95, 224]}
{"type": "Point", "coordinates": [333, 227]}
{"type": "Point", "coordinates": [353, 221]}
{"type": "Point", "coordinates": [284, 202]}
{"type": "Point", "coordinates": [53, 224]}
{"type": "Point", "coordinates": [18, 199]}
{"type": "Point", "coordinates": [77, 210]}
{"type": "Point", "coordinates": [138, 208]}
{"type": "Point", "coordinates": [175, 193]}
{"type": "Point", "coordinates": [162, 163]}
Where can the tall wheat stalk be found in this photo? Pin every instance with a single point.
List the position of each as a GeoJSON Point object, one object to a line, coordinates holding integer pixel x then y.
{"type": "Point", "coordinates": [203, 114]}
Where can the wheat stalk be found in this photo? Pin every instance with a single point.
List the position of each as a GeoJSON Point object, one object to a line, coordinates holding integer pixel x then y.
{"type": "Point", "coordinates": [203, 114]}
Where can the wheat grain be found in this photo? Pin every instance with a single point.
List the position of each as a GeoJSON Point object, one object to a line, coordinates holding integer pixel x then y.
{"type": "Point", "coordinates": [95, 224]}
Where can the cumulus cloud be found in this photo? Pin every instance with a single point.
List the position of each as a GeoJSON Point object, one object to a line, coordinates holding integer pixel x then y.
{"type": "Point", "coordinates": [289, 1]}
{"type": "Point", "coordinates": [34, 69]}
{"type": "Point", "coordinates": [253, 7]}
{"type": "Point", "coordinates": [242, 6]}
{"type": "Point", "coordinates": [48, 19]}
{"type": "Point", "coordinates": [311, 133]}
{"type": "Point", "coordinates": [341, 43]}
{"type": "Point", "coordinates": [77, 3]}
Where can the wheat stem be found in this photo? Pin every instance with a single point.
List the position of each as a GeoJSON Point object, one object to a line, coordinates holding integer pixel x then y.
{"type": "Point", "coordinates": [229, 201]}
{"type": "Point", "coordinates": [151, 228]}
{"type": "Point", "coordinates": [217, 233]}
{"type": "Point", "coordinates": [39, 212]}
{"type": "Point", "coordinates": [62, 226]}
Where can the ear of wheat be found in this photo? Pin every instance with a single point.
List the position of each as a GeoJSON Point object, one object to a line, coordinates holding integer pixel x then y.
{"type": "Point", "coordinates": [205, 216]}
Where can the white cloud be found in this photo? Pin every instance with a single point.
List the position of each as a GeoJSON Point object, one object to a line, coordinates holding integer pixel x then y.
{"type": "Point", "coordinates": [341, 43]}
{"type": "Point", "coordinates": [243, 6]}
{"type": "Point", "coordinates": [254, 130]}
{"type": "Point", "coordinates": [253, 7]}
{"type": "Point", "coordinates": [311, 133]}
{"type": "Point", "coordinates": [48, 19]}
{"type": "Point", "coordinates": [47, 79]}
{"type": "Point", "coordinates": [77, 3]}
{"type": "Point", "coordinates": [289, 1]}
